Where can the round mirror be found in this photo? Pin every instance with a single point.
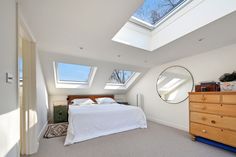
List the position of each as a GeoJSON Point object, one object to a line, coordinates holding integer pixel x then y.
{"type": "Point", "coordinates": [174, 83]}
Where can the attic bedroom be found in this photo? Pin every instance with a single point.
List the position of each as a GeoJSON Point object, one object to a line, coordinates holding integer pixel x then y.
{"type": "Point", "coordinates": [137, 78]}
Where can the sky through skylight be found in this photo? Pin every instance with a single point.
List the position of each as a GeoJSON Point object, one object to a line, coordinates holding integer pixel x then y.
{"type": "Point", "coordinates": [73, 72]}
{"type": "Point", "coordinates": [152, 11]}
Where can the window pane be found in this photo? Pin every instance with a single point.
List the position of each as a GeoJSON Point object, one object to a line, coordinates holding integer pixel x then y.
{"type": "Point", "coordinates": [120, 76]}
{"type": "Point", "coordinates": [153, 11]}
{"type": "Point", "coordinates": [20, 66]}
{"type": "Point", "coordinates": [73, 72]}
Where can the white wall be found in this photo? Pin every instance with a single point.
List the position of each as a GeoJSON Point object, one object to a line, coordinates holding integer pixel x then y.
{"type": "Point", "coordinates": [42, 98]}
{"type": "Point", "coordinates": [208, 66]}
{"type": "Point", "coordinates": [9, 112]}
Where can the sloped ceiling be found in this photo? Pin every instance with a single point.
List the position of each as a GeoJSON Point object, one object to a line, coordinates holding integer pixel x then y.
{"type": "Point", "coordinates": [61, 27]}
{"type": "Point", "coordinates": [102, 74]}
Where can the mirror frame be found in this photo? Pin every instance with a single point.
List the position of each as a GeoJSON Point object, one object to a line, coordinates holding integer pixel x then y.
{"type": "Point", "coordinates": [163, 72]}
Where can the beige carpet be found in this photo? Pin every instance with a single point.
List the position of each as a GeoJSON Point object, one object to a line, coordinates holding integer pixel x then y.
{"type": "Point", "coordinates": [156, 141]}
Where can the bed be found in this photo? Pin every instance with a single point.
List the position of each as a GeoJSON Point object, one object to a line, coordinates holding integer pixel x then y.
{"type": "Point", "coordinates": [87, 122]}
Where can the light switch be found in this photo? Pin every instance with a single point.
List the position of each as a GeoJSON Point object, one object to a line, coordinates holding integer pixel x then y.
{"type": "Point", "coordinates": [9, 78]}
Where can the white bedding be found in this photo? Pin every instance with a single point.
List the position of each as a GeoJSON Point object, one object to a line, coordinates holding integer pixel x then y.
{"type": "Point", "coordinates": [87, 122]}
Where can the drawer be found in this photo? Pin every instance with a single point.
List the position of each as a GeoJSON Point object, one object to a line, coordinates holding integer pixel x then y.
{"type": "Point", "coordinates": [230, 99]}
{"type": "Point", "coordinates": [206, 108]}
{"type": "Point", "coordinates": [211, 98]}
{"type": "Point", "coordinates": [220, 109]}
{"type": "Point", "coordinates": [221, 135]}
{"type": "Point", "coordinates": [214, 120]}
{"type": "Point", "coordinates": [196, 98]}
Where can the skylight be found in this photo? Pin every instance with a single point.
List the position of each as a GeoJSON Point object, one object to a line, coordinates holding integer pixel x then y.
{"type": "Point", "coordinates": [121, 79]}
{"type": "Point", "coordinates": [154, 11]}
{"type": "Point", "coordinates": [73, 72]}
{"type": "Point", "coordinates": [73, 75]}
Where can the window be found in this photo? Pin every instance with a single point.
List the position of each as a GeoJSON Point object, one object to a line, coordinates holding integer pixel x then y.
{"type": "Point", "coordinates": [153, 11]}
{"type": "Point", "coordinates": [20, 66]}
{"type": "Point", "coordinates": [20, 70]}
{"type": "Point", "coordinates": [121, 79]}
{"type": "Point", "coordinates": [73, 75]}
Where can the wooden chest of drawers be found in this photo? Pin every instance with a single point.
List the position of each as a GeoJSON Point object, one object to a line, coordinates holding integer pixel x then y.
{"type": "Point", "coordinates": [212, 115]}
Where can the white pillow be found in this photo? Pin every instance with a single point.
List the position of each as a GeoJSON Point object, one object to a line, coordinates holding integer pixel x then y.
{"type": "Point", "coordinates": [105, 100]}
{"type": "Point", "coordinates": [83, 101]}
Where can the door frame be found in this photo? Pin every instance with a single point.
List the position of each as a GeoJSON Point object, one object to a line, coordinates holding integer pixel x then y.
{"type": "Point", "coordinates": [26, 42]}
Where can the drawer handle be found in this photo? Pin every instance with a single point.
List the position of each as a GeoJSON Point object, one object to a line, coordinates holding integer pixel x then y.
{"type": "Point", "coordinates": [213, 122]}
{"type": "Point", "coordinates": [204, 131]}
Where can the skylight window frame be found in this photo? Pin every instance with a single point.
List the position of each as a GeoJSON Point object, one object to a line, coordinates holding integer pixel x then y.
{"type": "Point", "coordinates": [126, 85]}
{"type": "Point", "coordinates": [163, 19]}
{"type": "Point", "coordinates": [70, 81]}
{"type": "Point", "coordinates": [121, 84]}
{"type": "Point", "coordinates": [73, 84]}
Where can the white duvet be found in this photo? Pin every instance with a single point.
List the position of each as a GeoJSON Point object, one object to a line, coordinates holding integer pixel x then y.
{"type": "Point", "coordinates": [87, 122]}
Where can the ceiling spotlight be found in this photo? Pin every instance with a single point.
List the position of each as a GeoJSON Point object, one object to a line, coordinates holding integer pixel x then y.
{"type": "Point", "coordinates": [201, 39]}
{"type": "Point", "coordinates": [81, 48]}
{"type": "Point", "coordinates": [119, 56]}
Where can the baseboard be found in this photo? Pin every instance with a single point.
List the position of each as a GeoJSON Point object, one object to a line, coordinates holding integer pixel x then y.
{"type": "Point", "coordinates": [170, 124]}
{"type": "Point", "coordinates": [43, 130]}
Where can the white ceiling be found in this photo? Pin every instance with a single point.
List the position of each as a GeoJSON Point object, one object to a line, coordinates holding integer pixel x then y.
{"type": "Point", "coordinates": [63, 26]}
{"type": "Point", "coordinates": [215, 35]}
{"type": "Point", "coordinates": [193, 15]}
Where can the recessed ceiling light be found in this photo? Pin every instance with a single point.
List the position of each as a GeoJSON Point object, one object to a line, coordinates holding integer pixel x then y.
{"type": "Point", "coordinates": [201, 39]}
{"type": "Point", "coordinates": [119, 56]}
{"type": "Point", "coordinates": [81, 48]}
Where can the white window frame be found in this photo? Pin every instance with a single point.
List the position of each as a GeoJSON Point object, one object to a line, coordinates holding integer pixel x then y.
{"type": "Point", "coordinates": [73, 84]}
{"type": "Point", "coordinates": [126, 85]}
{"type": "Point", "coordinates": [163, 19]}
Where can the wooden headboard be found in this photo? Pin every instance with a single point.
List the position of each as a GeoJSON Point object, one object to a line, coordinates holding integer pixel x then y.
{"type": "Point", "coordinates": [92, 97]}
